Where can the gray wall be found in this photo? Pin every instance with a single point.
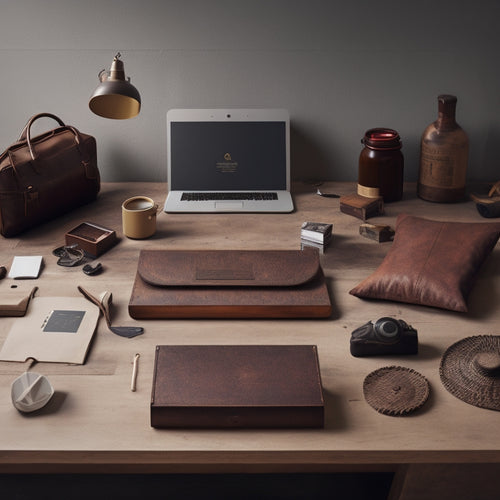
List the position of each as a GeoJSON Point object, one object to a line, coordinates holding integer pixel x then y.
{"type": "Point", "coordinates": [340, 67]}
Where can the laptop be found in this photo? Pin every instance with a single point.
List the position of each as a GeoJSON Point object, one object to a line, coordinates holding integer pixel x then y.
{"type": "Point", "coordinates": [228, 160]}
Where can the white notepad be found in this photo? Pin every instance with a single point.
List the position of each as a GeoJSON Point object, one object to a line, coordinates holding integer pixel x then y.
{"type": "Point", "coordinates": [26, 267]}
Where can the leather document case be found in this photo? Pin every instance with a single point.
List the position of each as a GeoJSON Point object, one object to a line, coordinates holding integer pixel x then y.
{"type": "Point", "coordinates": [229, 284]}
{"type": "Point", "coordinates": [245, 386]}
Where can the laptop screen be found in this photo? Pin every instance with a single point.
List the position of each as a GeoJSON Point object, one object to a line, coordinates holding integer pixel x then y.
{"type": "Point", "coordinates": [228, 156]}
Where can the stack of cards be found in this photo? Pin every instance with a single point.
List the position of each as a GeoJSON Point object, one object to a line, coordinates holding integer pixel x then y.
{"type": "Point", "coordinates": [316, 234]}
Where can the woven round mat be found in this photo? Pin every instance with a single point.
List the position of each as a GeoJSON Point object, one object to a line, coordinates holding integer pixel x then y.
{"type": "Point", "coordinates": [395, 390]}
{"type": "Point", "coordinates": [470, 370]}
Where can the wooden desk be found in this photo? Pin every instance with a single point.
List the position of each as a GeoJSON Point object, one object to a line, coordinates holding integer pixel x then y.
{"type": "Point", "coordinates": [95, 423]}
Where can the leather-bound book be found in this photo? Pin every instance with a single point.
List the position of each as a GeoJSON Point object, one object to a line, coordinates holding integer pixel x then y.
{"type": "Point", "coordinates": [245, 386]}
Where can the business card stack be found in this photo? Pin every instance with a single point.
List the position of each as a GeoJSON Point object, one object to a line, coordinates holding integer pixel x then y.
{"type": "Point", "coordinates": [316, 234]}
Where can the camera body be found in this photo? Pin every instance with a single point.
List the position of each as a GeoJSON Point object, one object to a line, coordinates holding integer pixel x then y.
{"type": "Point", "coordinates": [384, 336]}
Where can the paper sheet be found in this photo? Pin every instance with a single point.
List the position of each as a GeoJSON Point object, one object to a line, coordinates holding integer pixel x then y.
{"type": "Point", "coordinates": [26, 267]}
{"type": "Point", "coordinates": [55, 329]}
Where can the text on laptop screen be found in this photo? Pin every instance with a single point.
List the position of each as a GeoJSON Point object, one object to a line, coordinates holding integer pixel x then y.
{"type": "Point", "coordinates": [232, 156]}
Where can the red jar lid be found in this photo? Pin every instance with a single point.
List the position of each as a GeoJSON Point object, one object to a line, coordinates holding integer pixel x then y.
{"type": "Point", "coordinates": [381, 138]}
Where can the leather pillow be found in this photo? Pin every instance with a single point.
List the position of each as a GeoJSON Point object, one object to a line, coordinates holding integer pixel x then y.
{"type": "Point", "coordinates": [431, 263]}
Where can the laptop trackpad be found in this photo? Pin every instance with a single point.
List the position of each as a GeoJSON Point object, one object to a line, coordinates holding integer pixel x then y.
{"type": "Point", "coordinates": [228, 205]}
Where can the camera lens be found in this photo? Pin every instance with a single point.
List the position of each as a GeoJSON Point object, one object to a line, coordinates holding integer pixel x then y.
{"type": "Point", "coordinates": [387, 327]}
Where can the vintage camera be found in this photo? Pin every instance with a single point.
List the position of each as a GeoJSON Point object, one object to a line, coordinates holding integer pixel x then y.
{"type": "Point", "coordinates": [384, 336]}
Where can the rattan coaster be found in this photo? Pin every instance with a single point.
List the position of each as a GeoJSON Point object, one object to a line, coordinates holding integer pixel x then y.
{"type": "Point", "coordinates": [470, 370]}
{"type": "Point", "coordinates": [395, 390]}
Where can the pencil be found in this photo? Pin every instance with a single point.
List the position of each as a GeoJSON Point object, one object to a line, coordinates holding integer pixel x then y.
{"type": "Point", "coordinates": [134, 373]}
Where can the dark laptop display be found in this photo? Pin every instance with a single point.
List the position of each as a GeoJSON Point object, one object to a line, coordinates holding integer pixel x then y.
{"type": "Point", "coordinates": [229, 156]}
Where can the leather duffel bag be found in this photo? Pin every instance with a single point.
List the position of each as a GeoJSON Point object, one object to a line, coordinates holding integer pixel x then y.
{"type": "Point", "coordinates": [45, 176]}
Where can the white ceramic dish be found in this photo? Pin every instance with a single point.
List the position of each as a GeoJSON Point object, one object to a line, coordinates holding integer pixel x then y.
{"type": "Point", "coordinates": [31, 391]}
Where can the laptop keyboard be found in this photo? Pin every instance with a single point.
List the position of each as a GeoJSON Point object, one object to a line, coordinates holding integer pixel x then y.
{"type": "Point", "coordinates": [228, 196]}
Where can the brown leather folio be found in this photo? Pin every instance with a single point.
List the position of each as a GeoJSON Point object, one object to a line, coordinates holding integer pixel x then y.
{"type": "Point", "coordinates": [246, 386]}
{"type": "Point", "coordinates": [229, 284]}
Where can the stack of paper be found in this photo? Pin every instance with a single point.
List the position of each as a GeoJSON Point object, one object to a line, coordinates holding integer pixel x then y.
{"type": "Point", "coordinates": [316, 234]}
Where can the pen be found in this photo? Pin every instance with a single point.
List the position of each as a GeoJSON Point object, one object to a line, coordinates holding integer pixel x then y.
{"type": "Point", "coordinates": [327, 195]}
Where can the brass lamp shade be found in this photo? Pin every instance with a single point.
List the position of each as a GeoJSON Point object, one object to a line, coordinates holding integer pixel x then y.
{"type": "Point", "coordinates": [115, 97]}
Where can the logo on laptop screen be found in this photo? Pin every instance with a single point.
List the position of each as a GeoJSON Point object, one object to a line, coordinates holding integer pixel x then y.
{"type": "Point", "coordinates": [227, 166]}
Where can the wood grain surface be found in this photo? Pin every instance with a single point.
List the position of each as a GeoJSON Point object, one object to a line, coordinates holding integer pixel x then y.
{"type": "Point", "coordinates": [96, 423]}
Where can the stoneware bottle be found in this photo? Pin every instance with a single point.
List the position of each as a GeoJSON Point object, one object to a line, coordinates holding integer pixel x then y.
{"type": "Point", "coordinates": [443, 156]}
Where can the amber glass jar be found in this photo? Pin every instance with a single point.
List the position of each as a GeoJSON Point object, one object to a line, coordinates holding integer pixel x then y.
{"type": "Point", "coordinates": [444, 156]}
{"type": "Point", "coordinates": [381, 165]}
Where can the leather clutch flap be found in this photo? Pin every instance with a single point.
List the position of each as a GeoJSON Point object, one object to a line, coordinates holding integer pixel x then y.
{"type": "Point", "coordinates": [229, 283]}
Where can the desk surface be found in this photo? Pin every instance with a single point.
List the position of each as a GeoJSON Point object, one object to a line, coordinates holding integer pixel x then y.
{"type": "Point", "coordinates": [95, 422]}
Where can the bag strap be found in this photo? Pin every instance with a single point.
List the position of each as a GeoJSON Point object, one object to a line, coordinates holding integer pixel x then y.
{"type": "Point", "coordinates": [26, 132]}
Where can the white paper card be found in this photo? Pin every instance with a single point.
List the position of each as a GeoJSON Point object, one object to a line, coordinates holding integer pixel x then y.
{"type": "Point", "coordinates": [26, 267]}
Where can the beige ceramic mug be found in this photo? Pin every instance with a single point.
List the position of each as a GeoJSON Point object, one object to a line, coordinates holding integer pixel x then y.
{"type": "Point", "coordinates": [139, 217]}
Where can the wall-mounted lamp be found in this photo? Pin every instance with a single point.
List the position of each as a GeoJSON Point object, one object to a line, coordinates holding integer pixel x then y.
{"type": "Point", "coordinates": [115, 97]}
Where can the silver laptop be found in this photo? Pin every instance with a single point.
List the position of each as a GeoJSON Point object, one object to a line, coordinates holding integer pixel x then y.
{"type": "Point", "coordinates": [228, 160]}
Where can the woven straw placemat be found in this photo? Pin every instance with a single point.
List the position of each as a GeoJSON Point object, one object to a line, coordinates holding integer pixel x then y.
{"type": "Point", "coordinates": [395, 390]}
{"type": "Point", "coordinates": [470, 370]}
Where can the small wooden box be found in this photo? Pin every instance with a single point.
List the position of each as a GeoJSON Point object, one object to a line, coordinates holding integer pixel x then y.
{"type": "Point", "coordinates": [251, 386]}
{"type": "Point", "coordinates": [377, 232]}
{"type": "Point", "coordinates": [361, 206]}
{"type": "Point", "coordinates": [91, 238]}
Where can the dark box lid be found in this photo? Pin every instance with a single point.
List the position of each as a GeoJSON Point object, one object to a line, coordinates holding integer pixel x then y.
{"type": "Point", "coordinates": [237, 386]}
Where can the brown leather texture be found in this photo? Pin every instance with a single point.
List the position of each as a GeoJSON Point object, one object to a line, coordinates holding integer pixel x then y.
{"type": "Point", "coordinates": [93, 239]}
{"type": "Point", "coordinates": [45, 176]}
{"type": "Point", "coordinates": [431, 263]}
{"type": "Point", "coordinates": [228, 268]}
{"type": "Point", "coordinates": [229, 284]}
{"type": "Point", "coordinates": [237, 386]}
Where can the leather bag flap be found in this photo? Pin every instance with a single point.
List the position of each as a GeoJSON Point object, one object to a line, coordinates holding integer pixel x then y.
{"type": "Point", "coordinates": [228, 267]}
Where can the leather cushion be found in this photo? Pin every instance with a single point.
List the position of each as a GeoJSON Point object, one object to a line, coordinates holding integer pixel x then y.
{"type": "Point", "coordinates": [431, 263]}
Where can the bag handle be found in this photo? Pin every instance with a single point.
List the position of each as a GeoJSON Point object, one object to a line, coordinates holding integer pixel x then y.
{"type": "Point", "coordinates": [26, 132]}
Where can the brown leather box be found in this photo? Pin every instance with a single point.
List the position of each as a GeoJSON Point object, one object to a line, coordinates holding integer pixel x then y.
{"type": "Point", "coordinates": [92, 238]}
{"type": "Point", "coordinates": [229, 284]}
{"type": "Point", "coordinates": [250, 386]}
